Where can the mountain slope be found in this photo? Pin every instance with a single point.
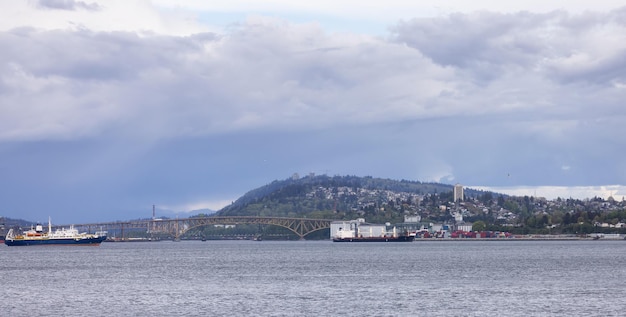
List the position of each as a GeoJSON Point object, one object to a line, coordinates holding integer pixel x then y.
{"type": "Point", "coordinates": [340, 197]}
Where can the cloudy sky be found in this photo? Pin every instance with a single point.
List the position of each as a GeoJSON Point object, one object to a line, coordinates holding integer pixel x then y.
{"type": "Point", "coordinates": [109, 107]}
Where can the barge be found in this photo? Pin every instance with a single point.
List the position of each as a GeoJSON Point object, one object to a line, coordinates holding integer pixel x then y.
{"type": "Point", "coordinates": [362, 232]}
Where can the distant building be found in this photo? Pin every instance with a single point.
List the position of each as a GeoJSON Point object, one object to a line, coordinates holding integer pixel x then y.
{"type": "Point", "coordinates": [458, 192]}
{"type": "Point", "coordinates": [412, 218]}
{"type": "Point", "coordinates": [467, 227]}
{"type": "Point", "coordinates": [295, 176]}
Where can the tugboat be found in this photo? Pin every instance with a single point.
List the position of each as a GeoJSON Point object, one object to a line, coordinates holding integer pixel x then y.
{"type": "Point", "coordinates": [62, 236]}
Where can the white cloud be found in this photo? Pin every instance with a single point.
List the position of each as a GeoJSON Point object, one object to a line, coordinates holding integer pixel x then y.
{"type": "Point", "coordinates": [105, 16]}
{"type": "Point", "coordinates": [392, 9]}
{"type": "Point", "coordinates": [193, 207]}
{"type": "Point", "coordinates": [618, 192]}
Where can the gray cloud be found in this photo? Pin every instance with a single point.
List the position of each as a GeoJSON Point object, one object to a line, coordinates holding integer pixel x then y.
{"type": "Point", "coordinates": [471, 98]}
{"type": "Point", "coordinates": [273, 75]}
{"type": "Point", "coordinates": [69, 5]}
{"type": "Point", "coordinates": [258, 76]}
{"type": "Point", "coordinates": [587, 47]}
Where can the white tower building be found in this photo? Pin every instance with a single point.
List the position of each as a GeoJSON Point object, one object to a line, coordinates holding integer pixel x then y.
{"type": "Point", "coordinates": [458, 192]}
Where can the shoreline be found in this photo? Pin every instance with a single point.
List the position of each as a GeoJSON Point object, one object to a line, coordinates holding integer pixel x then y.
{"type": "Point", "coordinates": [517, 239]}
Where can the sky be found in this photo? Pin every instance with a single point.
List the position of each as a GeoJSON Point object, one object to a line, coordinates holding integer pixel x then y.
{"type": "Point", "coordinates": [110, 107]}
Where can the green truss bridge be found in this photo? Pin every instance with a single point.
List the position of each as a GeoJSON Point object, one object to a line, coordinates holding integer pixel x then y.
{"type": "Point", "coordinates": [176, 228]}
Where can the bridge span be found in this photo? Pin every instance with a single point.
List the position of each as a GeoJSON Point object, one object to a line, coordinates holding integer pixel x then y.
{"type": "Point", "coordinates": [176, 228]}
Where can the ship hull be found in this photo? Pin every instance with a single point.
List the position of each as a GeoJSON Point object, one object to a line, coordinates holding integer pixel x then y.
{"type": "Point", "coordinates": [376, 239]}
{"type": "Point", "coordinates": [66, 241]}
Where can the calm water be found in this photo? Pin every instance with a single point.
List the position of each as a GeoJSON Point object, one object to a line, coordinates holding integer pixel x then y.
{"type": "Point", "coordinates": [237, 278]}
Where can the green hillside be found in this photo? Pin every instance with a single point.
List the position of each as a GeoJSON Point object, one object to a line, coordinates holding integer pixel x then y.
{"type": "Point", "coordinates": [338, 197]}
{"type": "Point", "coordinates": [383, 200]}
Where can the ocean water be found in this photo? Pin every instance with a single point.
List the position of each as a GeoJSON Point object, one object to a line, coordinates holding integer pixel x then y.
{"type": "Point", "coordinates": [316, 278]}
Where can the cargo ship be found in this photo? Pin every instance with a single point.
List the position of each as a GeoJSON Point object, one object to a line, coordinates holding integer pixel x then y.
{"type": "Point", "coordinates": [36, 236]}
{"type": "Point", "coordinates": [355, 232]}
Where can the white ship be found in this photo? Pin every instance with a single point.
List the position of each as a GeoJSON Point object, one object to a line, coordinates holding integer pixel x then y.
{"type": "Point", "coordinates": [61, 236]}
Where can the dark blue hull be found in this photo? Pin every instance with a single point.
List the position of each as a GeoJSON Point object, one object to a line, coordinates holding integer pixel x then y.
{"type": "Point", "coordinates": [376, 239]}
{"type": "Point", "coordinates": [68, 241]}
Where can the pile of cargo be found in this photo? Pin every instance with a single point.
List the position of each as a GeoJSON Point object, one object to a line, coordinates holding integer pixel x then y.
{"type": "Point", "coordinates": [482, 234]}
